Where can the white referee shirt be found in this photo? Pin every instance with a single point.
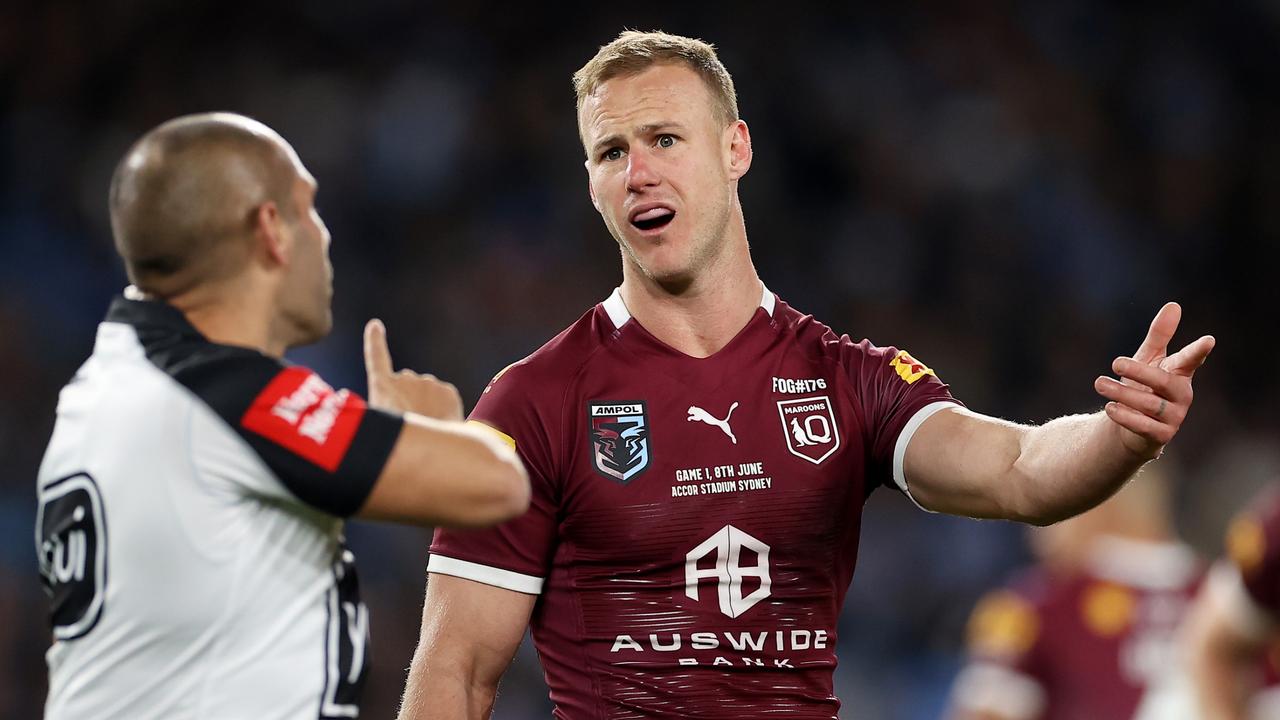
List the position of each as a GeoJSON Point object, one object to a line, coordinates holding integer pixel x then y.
{"type": "Point", "coordinates": [189, 530]}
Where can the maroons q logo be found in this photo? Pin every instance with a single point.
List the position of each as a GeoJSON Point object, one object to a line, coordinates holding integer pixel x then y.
{"type": "Point", "coordinates": [619, 439]}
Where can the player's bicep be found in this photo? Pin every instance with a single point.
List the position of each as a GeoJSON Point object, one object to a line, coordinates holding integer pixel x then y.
{"type": "Point", "coordinates": [470, 633]}
{"type": "Point", "coordinates": [476, 622]}
{"type": "Point", "coordinates": [960, 462]}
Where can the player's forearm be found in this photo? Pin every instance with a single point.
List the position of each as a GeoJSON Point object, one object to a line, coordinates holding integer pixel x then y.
{"type": "Point", "coordinates": [1067, 466]}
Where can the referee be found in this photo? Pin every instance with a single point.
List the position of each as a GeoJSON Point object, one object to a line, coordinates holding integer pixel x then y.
{"type": "Point", "coordinates": [189, 528]}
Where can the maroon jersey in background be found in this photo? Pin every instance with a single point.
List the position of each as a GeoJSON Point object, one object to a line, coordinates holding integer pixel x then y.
{"type": "Point", "coordinates": [1253, 542]}
{"type": "Point", "coordinates": [694, 523]}
{"type": "Point", "coordinates": [1253, 545]}
{"type": "Point", "coordinates": [1084, 646]}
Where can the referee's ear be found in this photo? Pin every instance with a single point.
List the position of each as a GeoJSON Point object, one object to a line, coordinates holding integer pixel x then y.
{"type": "Point", "coordinates": [269, 233]}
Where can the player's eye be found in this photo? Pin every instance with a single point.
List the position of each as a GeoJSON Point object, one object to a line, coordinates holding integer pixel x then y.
{"type": "Point", "coordinates": [611, 154]}
{"type": "Point", "coordinates": [666, 141]}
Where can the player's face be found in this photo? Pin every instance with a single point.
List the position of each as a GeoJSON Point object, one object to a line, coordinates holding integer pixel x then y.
{"type": "Point", "coordinates": [659, 169]}
{"type": "Point", "coordinates": [307, 295]}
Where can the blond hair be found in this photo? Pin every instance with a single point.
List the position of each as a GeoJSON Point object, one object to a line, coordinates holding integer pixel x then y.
{"type": "Point", "coordinates": [633, 52]}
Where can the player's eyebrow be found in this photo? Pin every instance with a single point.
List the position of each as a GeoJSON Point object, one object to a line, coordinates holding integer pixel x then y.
{"type": "Point", "coordinates": [641, 130]}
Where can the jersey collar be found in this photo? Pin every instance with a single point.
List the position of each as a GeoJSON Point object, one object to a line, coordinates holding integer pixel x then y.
{"type": "Point", "coordinates": [132, 309]}
{"type": "Point", "coordinates": [618, 313]}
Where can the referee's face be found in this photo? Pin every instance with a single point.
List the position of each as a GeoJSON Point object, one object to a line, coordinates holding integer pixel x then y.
{"type": "Point", "coordinates": [307, 292]}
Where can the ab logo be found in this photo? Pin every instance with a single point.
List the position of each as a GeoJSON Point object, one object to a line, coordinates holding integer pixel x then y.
{"type": "Point", "coordinates": [725, 548]}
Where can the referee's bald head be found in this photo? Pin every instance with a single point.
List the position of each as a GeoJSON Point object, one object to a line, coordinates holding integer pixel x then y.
{"type": "Point", "coordinates": [183, 199]}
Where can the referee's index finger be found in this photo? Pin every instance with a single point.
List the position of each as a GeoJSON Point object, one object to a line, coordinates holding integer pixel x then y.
{"type": "Point", "coordinates": [377, 357]}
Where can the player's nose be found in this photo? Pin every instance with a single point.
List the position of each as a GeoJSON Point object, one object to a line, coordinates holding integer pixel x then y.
{"type": "Point", "coordinates": [641, 172]}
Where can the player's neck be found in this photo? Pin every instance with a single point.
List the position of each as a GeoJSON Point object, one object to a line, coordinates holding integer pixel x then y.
{"type": "Point", "coordinates": [704, 316]}
{"type": "Point", "coordinates": [230, 315]}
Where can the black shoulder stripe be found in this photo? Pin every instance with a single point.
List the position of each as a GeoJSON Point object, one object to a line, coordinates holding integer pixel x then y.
{"type": "Point", "coordinates": [326, 446]}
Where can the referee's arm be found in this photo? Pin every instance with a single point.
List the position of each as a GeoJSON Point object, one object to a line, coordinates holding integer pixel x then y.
{"type": "Point", "coordinates": [440, 472]}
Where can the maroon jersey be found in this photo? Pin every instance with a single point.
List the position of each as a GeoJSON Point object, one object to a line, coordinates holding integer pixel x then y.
{"type": "Point", "coordinates": [1253, 543]}
{"type": "Point", "coordinates": [1085, 646]}
{"type": "Point", "coordinates": [694, 522]}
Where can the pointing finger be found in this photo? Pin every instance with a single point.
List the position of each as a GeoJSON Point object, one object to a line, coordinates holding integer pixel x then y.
{"type": "Point", "coordinates": [1163, 326]}
{"type": "Point", "coordinates": [377, 356]}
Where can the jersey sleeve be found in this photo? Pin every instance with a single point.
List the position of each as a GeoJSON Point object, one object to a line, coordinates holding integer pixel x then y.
{"type": "Point", "coordinates": [1253, 546]}
{"type": "Point", "coordinates": [893, 394]}
{"type": "Point", "coordinates": [515, 555]}
{"type": "Point", "coordinates": [327, 447]}
{"type": "Point", "coordinates": [1003, 675]}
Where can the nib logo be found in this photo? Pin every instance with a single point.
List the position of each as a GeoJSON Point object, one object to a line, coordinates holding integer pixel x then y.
{"type": "Point", "coordinates": [726, 546]}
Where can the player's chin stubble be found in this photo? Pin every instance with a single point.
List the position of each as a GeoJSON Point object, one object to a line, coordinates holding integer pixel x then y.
{"type": "Point", "coordinates": [706, 245]}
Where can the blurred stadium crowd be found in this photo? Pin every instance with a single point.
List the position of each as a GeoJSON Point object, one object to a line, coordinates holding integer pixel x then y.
{"type": "Point", "coordinates": [1009, 191]}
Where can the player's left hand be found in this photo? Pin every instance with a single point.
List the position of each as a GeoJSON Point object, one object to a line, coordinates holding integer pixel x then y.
{"type": "Point", "coordinates": [1154, 394]}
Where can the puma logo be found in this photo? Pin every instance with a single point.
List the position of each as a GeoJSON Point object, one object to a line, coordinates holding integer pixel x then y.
{"type": "Point", "coordinates": [697, 414]}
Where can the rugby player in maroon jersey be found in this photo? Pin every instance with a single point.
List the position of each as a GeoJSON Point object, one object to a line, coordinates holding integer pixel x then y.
{"type": "Point", "coordinates": [1236, 622]}
{"type": "Point", "coordinates": [700, 451]}
{"type": "Point", "coordinates": [1084, 633]}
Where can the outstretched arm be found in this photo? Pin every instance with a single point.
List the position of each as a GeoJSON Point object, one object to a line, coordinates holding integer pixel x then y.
{"type": "Point", "coordinates": [965, 463]}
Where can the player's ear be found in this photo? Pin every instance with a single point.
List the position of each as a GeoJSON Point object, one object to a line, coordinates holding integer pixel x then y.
{"type": "Point", "coordinates": [738, 138]}
{"type": "Point", "coordinates": [269, 233]}
{"type": "Point", "coordinates": [591, 191]}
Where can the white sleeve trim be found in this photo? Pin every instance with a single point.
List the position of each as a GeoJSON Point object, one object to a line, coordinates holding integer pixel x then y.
{"type": "Point", "coordinates": [986, 687]}
{"type": "Point", "coordinates": [497, 577]}
{"type": "Point", "coordinates": [904, 437]}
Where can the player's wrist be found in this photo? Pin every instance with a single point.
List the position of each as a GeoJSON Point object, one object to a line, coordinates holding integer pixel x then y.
{"type": "Point", "coordinates": [1136, 446]}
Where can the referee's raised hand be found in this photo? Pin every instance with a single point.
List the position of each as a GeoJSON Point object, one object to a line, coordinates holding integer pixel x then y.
{"type": "Point", "coordinates": [405, 390]}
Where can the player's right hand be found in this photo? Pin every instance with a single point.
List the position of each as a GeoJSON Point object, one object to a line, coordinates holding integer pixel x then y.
{"type": "Point", "coordinates": [405, 390]}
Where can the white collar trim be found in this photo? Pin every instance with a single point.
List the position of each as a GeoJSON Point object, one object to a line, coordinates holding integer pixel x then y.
{"type": "Point", "coordinates": [618, 313]}
{"type": "Point", "coordinates": [617, 309]}
{"type": "Point", "coordinates": [767, 299]}
{"type": "Point", "coordinates": [1144, 564]}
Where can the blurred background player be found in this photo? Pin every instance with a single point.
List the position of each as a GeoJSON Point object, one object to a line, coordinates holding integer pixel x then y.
{"type": "Point", "coordinates": [1233, 634]}
{"type": "Point", "coordinates": [700, 452]}
{"type": "Point", "coordinates": [189, 529]}
{"type": "Point", "coordinates": [1082, 635]}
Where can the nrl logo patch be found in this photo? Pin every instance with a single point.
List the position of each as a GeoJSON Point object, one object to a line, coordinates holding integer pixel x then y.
{"type": "Point", "coordinates": [619, 439]}
{"type": "Point", "coordinates": [810, 427]}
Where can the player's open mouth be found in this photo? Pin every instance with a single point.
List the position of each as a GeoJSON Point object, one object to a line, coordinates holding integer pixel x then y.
{"type": "Point", "coordinates": [652, 218]}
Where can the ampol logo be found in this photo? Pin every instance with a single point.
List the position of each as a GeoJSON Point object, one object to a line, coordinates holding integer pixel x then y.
{"type": "Point", "coordinates": [619, 434]}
